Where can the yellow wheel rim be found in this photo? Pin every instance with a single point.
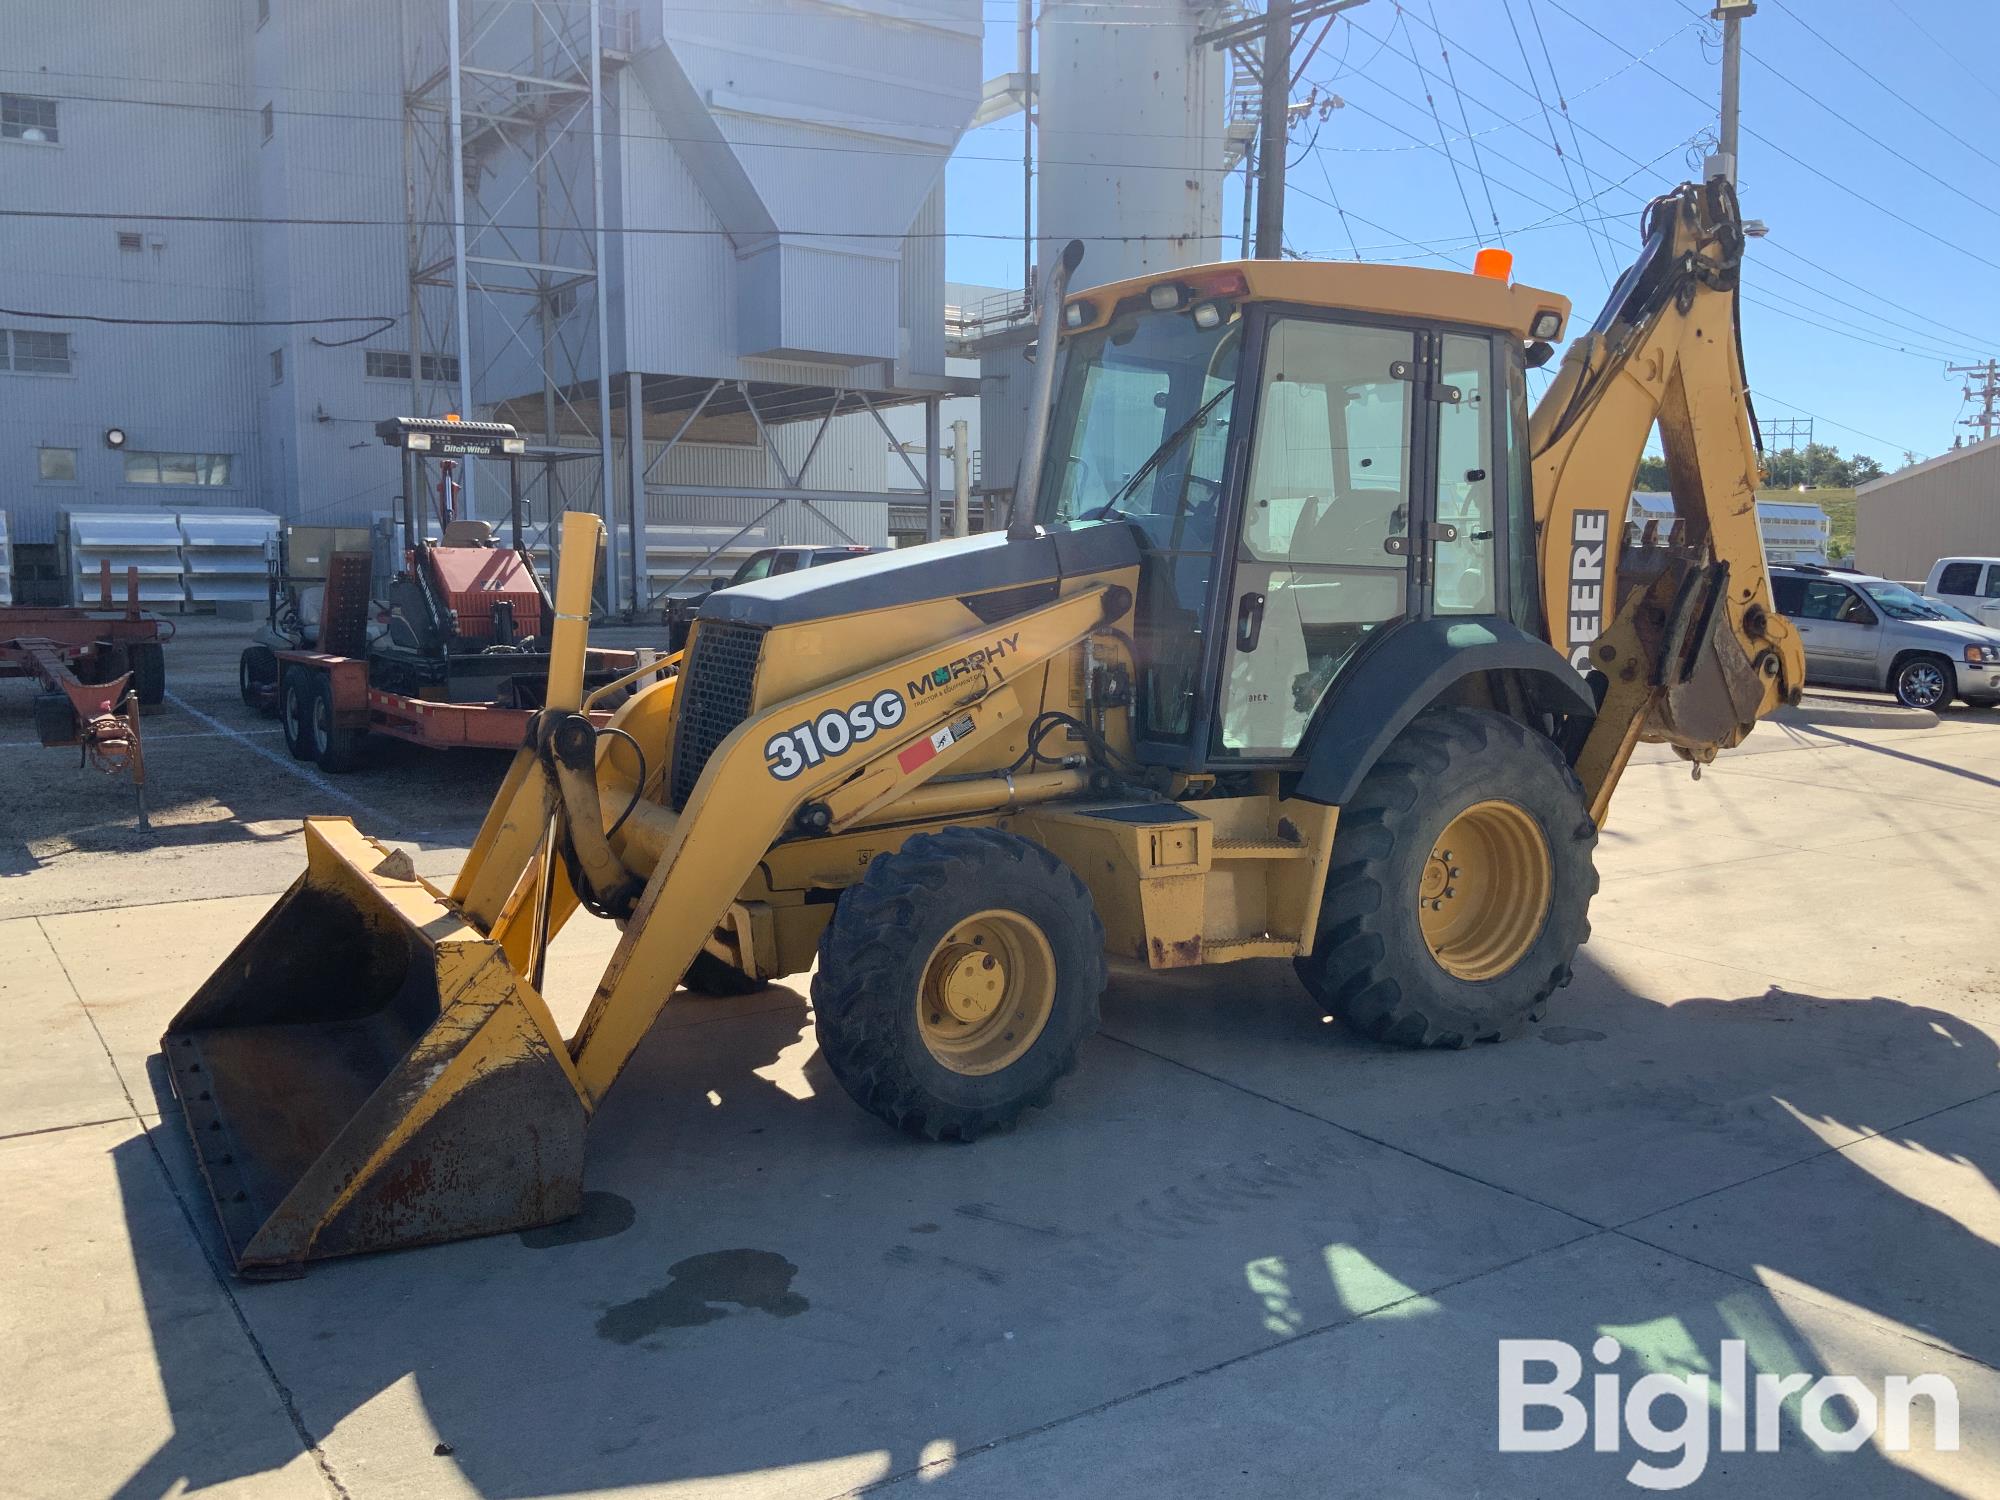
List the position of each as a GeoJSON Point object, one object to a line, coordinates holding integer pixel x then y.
{"type": "Point", "coordinates": [1484, 893]}
{"type": "Point", "coordinates": [988, 989]}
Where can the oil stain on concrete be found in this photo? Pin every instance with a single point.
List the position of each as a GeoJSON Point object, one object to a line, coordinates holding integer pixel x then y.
{"type": "Point", "coordinates": [754, 1280]}
{"type": "Point", "coordinates": [602, 1216]}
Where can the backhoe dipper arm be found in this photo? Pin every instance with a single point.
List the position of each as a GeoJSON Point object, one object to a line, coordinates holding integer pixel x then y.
{"type": "Point", "coordinates": [1686, 648]}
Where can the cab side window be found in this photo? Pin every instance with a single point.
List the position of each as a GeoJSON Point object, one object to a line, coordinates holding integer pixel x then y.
{"type": "Point", "coordinates": [756, 568]}
{"type": "Point", "coordinates": [1959, 578]}
{"type": "Point", "coordinates": [1993, 581]}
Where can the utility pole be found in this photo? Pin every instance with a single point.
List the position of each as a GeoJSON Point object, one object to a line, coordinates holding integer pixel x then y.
{"type": "Point", "coordinates": [1988, 392]}
{"type": "Point", "coordinates": [1262, 46]}
{"type": "Point", "coordinates": [1730, 13]}
{"type": "Point", "coordinates": [1271, 133]}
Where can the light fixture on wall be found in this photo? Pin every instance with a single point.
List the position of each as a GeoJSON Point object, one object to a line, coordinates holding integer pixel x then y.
{"type": "Point", "coordinates": [114, 437]}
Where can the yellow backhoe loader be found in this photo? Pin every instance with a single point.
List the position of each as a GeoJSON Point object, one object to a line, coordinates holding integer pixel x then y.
{"type": "Point", "coordinates": [1305, 641]}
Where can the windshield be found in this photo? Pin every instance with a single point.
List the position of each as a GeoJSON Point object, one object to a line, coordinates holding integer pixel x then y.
{"type": "Point", "coordinates": [1900, 604]}
{"type": "Point", "coordinates": [1140, 427]}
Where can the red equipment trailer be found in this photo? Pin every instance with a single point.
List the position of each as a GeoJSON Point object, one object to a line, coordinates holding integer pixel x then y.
{"type": "Point", "coordinates": [97, 670]}
{"type": "Point", "coordinates": [462, 660]}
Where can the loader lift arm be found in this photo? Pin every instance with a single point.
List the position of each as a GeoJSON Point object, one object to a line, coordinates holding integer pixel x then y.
{"type": "Point", "coordinates": [1682, 645]}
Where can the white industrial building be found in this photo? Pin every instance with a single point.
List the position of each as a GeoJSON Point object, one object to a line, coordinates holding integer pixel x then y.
{"type": "Point", "coordinates": [1795, 531]}
{"type": "Point", "coordinates": [267, 224]}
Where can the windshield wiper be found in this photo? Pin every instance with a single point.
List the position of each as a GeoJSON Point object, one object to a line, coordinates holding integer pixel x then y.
{"type": "Point", "coordinates": [1167, 445]}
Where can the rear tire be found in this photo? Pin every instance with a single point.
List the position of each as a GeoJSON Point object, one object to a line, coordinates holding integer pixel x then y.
{"type": "Point", "coordinates": [295, 700]}
{"type": "Point", "coordinates": [1923, 682]}
{"type": "Point", "coordinates": [149, 673]}
{"type": "Point", "coordinates": [1472, 811]}
{"type": "Point", "coordinates": [337, 749]}
{"type": "Point", "coordinates": [956, 982]}
{"type": "Point", "coordinates": [256, 674]}
{"type": "Point", "coordinates": [712, 979]}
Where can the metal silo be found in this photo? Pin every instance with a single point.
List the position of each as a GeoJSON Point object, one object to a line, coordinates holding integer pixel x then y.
{"type": "Point", "coordinates": [1131, 132]}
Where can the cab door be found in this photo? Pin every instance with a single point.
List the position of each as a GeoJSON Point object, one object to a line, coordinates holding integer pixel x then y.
{"type": "Point", "coordinates": [1323, 556]}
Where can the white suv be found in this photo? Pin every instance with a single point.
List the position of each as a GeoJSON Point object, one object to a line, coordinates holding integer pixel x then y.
{"type": "Point", "coordinates": [1862, 631]}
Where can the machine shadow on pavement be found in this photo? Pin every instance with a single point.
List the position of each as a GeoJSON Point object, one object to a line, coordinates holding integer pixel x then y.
{"type": "Point", "coordinates": [764, 1278]}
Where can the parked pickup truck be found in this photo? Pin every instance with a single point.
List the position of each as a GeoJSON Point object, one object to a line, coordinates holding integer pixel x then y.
{"type": "Point", "coordinates": [770, 562]}
{"type": "Point", "coordinates": [1968, 583]}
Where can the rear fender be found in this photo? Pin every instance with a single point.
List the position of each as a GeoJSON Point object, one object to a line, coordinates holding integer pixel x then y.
{"type": "Point", "coordinates": [1413, 668]}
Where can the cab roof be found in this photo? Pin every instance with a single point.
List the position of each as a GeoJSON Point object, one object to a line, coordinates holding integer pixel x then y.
{"type": "Point", "coordinates": [1415, 292]}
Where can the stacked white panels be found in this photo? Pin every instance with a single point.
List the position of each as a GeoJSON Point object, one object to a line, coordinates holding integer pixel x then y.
{"type": "Point", "coordinates": [223, 554]}
{"type": "Point", "coordinates": [149, 540]}
{"type": "Point", "coordinates": [6, 563]}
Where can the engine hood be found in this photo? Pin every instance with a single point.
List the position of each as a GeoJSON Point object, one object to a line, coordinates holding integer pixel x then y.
{"type": "Point", "coordinates": [958, 567]}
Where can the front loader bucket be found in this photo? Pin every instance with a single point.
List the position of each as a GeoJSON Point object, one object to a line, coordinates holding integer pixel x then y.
{"type": "Point", "coordinates": [366, 1071]}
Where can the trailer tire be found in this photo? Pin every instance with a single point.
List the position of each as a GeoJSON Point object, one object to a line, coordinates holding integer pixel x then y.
{"type": "Point", "coordinates": [713, 979]}
{"type": "Point", "coordinates": [1459, 886]}
{"type": "Point", "coordinates": [257, 676]}
{"type": "Point", "coordinates": [295, 700]}
{"type": "Point", "coordinates": [105, 664]}
{"type": "Point", "coordinates": [956, 982]}
{"type": "Point", "coordinates": [336, 747]}
{"type": "Point", "coordinates": [149, 673]}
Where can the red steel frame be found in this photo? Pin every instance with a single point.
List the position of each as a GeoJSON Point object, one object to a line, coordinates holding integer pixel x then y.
{"type": "Point", "coordinates": [421, 721]}
{"type": "Point", "coordinates": [47, 642]}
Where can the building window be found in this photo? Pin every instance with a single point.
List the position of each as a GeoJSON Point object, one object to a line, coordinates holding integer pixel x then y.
{"type": "Point", "coordinates": [277, 367]}
{"type": "Point", "coordinates": [177, 468]}
{"type": "Point", "coordinates": [130, 240]}
{"type": "Point", "coordinates": [23, 117]}
{"type": "Point", "coordinates": [394, 364]}
{"type": "Point", "coordinates": [59, 465]}
{"type": "Point", "coordinates": [28, 351]}
{"type": "Point", "coordinates": [270, 126]}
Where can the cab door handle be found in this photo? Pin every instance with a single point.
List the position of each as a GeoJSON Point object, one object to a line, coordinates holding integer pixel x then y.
{"type": "Point", "coordinates": [1249, 621]}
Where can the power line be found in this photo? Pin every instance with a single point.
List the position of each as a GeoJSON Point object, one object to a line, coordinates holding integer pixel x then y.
{"type": "Point", "coordinates": [1790, 156]}
{"type": "Point", "coordinates": [1949, 52]}
{"type": "Point", "coordinates": [1596, 254]}
{"type": "Point", "coordinates": [1575, 139]}
{"type": "Point", "coordinates": [1785, 78]}
{"type": "Point", "coordinates": [1465, 120]}
{"type": "Point", "coordinates": [1424, 82]}
{"type": "Point", "coordinates": [1875, 78]}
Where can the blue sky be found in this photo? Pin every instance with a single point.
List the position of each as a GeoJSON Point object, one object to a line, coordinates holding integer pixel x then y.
{"type": "Point", "coordinates": [1877, 173]}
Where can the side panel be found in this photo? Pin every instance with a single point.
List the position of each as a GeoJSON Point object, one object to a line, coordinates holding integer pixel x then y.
{"type": "Point", "coordinates": [1404, 675]}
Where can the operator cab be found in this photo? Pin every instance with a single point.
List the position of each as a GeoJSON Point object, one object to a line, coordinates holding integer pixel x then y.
{"type": "Point", "coordinates": [1313, 457]}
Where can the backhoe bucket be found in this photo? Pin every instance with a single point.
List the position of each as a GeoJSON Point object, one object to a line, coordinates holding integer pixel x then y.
{"type": "Point", "coordinates": [366, 1071]}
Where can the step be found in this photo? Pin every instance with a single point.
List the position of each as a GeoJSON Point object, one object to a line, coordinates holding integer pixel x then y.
{"type": "Point", "coordinates": [1227, 950]}
{"type": "Point", "coordinates": [1259, 849]}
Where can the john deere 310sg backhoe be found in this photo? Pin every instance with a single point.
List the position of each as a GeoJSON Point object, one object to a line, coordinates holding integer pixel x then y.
{"type": "Point", "coordinates": [1306, 641]}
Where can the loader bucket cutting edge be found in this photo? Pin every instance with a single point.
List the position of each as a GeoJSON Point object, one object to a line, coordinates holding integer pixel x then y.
{"type": "Point", "coordinates": [366, 1071]}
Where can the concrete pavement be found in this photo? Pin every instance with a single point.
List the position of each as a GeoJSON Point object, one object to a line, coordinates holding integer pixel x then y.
{"type": "Point", "coordinates": [1243, 1253]}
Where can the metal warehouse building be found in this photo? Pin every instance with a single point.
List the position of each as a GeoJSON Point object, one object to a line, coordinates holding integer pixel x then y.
{"type": "Point", "coordinates": [1943, 506]}
{"type": "Point", "coordinates": [703, 242]}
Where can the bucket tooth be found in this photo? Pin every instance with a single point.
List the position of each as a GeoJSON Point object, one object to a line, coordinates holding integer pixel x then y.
{"type": "Point", "coordinates": [367, 1071]}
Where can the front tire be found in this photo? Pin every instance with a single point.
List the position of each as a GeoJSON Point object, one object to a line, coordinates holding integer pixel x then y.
{"type": "Point", "coordinates": [956, 982]}
{"type": "Point", "coordinates": [257, 673]}
{"type": "Point", "coordinates": [1923, 682]}
{"type": "Point", "coordinates": [1459, 888]}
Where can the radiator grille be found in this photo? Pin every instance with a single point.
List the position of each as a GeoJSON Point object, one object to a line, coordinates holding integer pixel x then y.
{"type": "Point", "coordinates": [714, 697]}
